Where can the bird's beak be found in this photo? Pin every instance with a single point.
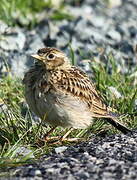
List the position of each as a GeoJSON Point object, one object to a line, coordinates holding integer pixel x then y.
{"type": "Point", "coordinates": [36, 56]}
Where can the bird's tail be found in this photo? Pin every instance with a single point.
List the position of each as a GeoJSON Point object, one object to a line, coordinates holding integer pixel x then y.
{"type": "Point", "coordinates": [112, 119]}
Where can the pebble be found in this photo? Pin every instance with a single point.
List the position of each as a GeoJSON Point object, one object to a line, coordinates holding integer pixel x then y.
{"type": "Point", "coordinates": [115, 35]}
{"type": "Point", "coordinates": [13, 41]}
{"type": "Point", "coordinates": [114, 92]}
{"type": "Point", "coordinates": [43, 30]}
{"type": "Point", "coordinates": [60, 149]}
{"type": "Point", "coordinates": [100, 21]}
{"type": "Point", "coordinates": [38, 172]}
{"type": "Point", "coordinates": [20, 63]}
{"type": "Point", "coordinates": [35, 44]}
{"type": "Point", "coordinates": [24, 151]}
{"type": "Point", "coordinates": [114, 4]}
{"type": "Point", "coordinates": [62, 39]}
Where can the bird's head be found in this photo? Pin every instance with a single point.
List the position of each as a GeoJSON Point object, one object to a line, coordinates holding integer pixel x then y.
{"type": "Point", "coordinates": [52, 58]}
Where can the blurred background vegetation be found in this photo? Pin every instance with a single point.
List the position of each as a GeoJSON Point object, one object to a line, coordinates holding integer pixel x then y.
{"type": "Point", "coordinates": [29, 12]}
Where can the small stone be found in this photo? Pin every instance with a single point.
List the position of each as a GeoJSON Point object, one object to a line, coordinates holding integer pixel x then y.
{"type": "Point", "coordinates": [98, 21]}
{"type": "Point", "coordinates": [38, 172]}
{"type": "Point", "coordinates": [125, 47]}
{"type": "Point", "coordinates": [107, 175]}
{"type": "Point", "coordinates": [131, 141]}
{"type": "Point", "coordinates": [35, 44]}
{"type": "Point", "coordinates": [75, 44]}
{"type": "Point", "coordinates": [54, 30]}
{"type": "Point", "coordinates": [132, 31]}
{"type": "Point", "coordinates": [31, 172]}
{"type": "Point", "coordinates": [97, 36]}
{"type": "Point", "coordinates": [99, 161]}
{"type": "Point", "coordinates": [86, 153]}
{"type": "Point", "coordinates": [128, 153]}
{"type": "Point", "coordinates": [71, 177]}
{"type": "Point", "coordinates": [112, 161]}
{"type": "Point", "coordinates": [43, 29]}
{"type": "Point", "coordinates": [60, 149]}
{"type": "Point", "coordinates": [19, 63]}
{"type": "Point", "coordinates": [3, 27]}
{"type": "Point", "coordinates": [63, 39]}
{"type": "Point", "coordinates": [114, 92]}
{"type": "Point", "coordinates": [23, 151]}
{"type": "Point", "coordinates": [114, 3]}
{"type": "Point", "coordinates": [113, 34]}
{"type": "Point", "coordinates": [13, 40]}
{"type": "Point", "coordinates": [50, 170]}
{"type": "Point", "coordinates": [75, 11]}
{"type": "Point", "coordinates": [120, 29]}
{"type": "Point", "coordinates": [83, 175]}
{"type": "Point", "coordinates": [106, 145]}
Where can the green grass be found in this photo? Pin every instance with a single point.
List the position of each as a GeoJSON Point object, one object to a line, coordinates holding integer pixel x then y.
{"type": "Point", "coordinates": [26, 12]}
{"type": "Point", "coordinates": [11, 10]}
{"type": "Point", "coordinates": [17, 127]}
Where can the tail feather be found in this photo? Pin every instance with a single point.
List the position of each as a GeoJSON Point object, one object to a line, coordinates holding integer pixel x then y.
{"type": "Point", "coordinates": [113, 120]}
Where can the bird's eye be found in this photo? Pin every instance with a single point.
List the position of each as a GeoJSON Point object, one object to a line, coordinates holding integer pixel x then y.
{"type": "Point", "coordinates": [51, 56]}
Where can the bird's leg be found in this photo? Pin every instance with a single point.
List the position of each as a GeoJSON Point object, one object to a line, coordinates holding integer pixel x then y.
{"type": "Point", "coordinates": [45, 137]}
{"type": "Point", "coordinates": [64, 137]}
{"type": "Point", "coordinates": [58, 140]}
{"type": "Point", "coordinates": [41, 142]}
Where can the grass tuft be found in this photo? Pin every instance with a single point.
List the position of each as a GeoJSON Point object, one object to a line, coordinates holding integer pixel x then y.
{"type": "Point", "coordinates": [26, 13]}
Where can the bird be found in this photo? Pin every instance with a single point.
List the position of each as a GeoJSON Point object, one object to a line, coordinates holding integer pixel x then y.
{"type": "Point", "coordinates": [63, 95]}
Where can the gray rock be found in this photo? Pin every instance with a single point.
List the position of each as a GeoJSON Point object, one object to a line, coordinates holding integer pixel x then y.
{"type": "Point", "coordinates": [19, 63]}
{"type": "Point", "coordinates": [43, 29]}
{"type": "Point", "coordinates": [82, 174]}
{"type": "Point", "coordinates": [24, 151]}
{"type": "Point", "coordinates": [63, 39]}
{"type": "Point", "coordinates": [75, 44]}
{"type": "Point", "coordinates": [126, 47]}
{"type": "Point", "coordinates": [13, 40]}
{"type": "Point", "coordinates": [54, 30]}
{"type": "Point", "coordinates": [98, 21]}
{"type": "Point", "coordinates": [38, 173]}
{"type": "Point", "coordinates": [35, 44]}
{"type": "Point", "coordinates": [3, 27]}
{"type": "Point", "coordinates": [113, 34]}
{"type": "Point", "coordinates": [133, 31]}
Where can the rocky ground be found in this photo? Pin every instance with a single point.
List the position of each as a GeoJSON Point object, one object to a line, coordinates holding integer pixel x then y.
{"type": "Point", "coordinates": [113, 158]}
{"type": "Point", "coordinates": [95, 31]}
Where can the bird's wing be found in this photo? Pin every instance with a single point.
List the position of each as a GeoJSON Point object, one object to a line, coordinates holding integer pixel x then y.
{"type": "Point", "coordinates": [75, 82]}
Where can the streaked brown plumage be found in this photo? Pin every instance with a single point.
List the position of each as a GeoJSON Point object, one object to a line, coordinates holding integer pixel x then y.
{"type": "Point", "coordinates": [62, 94]}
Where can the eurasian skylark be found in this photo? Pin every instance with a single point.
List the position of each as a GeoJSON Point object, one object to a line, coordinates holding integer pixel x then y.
{"type": "Point", "coordinates": [62, 94]}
